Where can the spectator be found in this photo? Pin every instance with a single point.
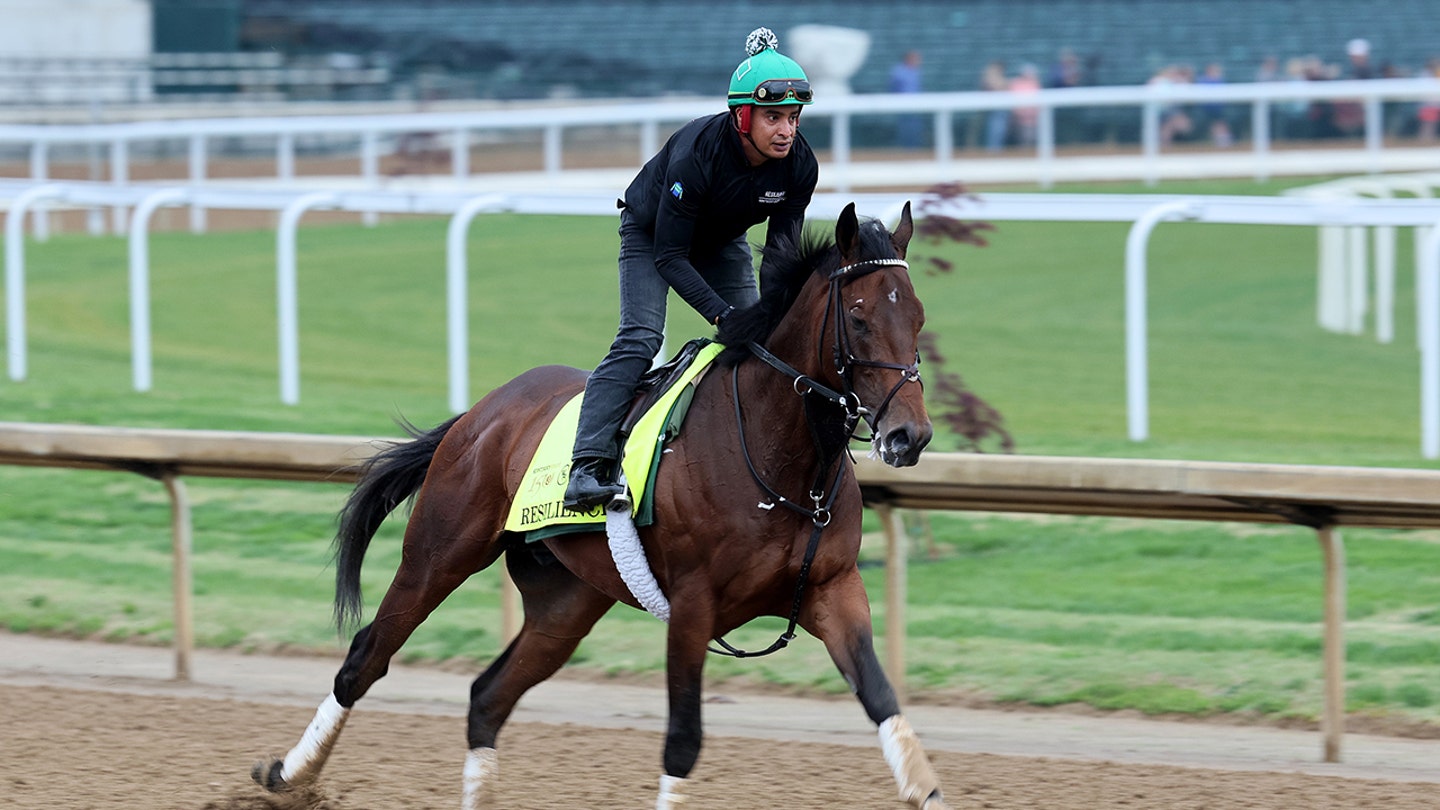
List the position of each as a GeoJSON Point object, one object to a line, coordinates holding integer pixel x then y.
{"type": "Point", "coordinates": [1292, 114]}
{"type": "Point", "coordinates": [1359, 52]}
{"type": "Point", "coordinates": [1428, 112]}
{"type": "Point", "coordinates": [1175, 122]}
{"type": "Point", "coordinates": [905, 77]}
{"type": "Point", "coordinates": [997, 122]}
{"type": "Point", "coordinates": [1269, 70]}
{"type": "Point", "coordinates": [1347, 116]}
{"type": "Point", "coordinates": [1027, 82]}
{"type": "Point", "coordinates": [1066, 72]}
{"type": "Point", "coordinates": [1214, 112]}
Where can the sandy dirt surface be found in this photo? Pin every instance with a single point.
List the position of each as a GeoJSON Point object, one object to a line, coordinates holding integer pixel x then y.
{"type": "Point", "coordinates": [86, 725]}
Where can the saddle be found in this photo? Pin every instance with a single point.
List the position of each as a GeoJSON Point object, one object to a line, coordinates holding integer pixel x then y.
{"type": "Point", "coordinates": [654, 418]}
{"type": "Point", "coordinates": [658, 380]}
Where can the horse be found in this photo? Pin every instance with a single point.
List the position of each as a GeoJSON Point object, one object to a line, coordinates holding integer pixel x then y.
{"type": "Point", "coordinates": [830, 345]}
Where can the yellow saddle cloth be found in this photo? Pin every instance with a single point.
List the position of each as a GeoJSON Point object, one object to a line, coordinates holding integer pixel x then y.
{"type": "Point", "coordinates": [538, 510]}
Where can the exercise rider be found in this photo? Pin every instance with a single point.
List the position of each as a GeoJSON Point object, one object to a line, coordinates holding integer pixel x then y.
{"type": "Point", "coordinates": [683, 224]}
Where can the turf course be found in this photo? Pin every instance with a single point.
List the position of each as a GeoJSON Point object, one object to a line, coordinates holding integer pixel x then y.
{"type": "Point", "coordinates": [1191, 618]}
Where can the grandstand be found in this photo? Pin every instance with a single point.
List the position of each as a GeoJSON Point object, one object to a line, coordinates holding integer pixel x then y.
{"type": "Point", "coordinates": [614, 48]}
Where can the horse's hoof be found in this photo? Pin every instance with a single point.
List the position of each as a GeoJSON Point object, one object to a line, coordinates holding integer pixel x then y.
{"type": "Point", "coordinates": [934, 802]}
{"type": "Point", "coordinates": [266, 774]}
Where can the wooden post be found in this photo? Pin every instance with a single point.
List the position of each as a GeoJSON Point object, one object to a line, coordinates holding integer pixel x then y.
{"type": "Point", "coordinates": [1332, 724]}
{"type": "Point", "coordinates": [895, 587]}
{"type": "Point", "coordinates": [180, 544]}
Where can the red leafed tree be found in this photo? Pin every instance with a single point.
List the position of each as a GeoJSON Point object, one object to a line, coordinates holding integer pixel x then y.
{"type": "Point", "coordinates": [973, 420]}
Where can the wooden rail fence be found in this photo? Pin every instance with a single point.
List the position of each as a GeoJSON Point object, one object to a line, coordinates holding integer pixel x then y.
{"type": "Point", "coordinates": [1321, 498]}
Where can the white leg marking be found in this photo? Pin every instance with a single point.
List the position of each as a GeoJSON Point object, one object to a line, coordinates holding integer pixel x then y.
{"type": "Point", "coordinates": [308, 755]}
{"type": "Point", "coordinates": [481, 766]}
{"type": "Point", "coordinates": [906, 758]}
{"type": "Point", "coordinates": [672, 793]}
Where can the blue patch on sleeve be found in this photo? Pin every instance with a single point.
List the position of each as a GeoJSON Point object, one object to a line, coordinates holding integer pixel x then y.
{"type": "Point", "coordinates": [677, 191]}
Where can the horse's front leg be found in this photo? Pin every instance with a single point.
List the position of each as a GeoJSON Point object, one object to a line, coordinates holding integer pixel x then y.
{"type": "Point", "coordinates": [691, 623]}
{"type": "Point", "coordinates": [838, 613]}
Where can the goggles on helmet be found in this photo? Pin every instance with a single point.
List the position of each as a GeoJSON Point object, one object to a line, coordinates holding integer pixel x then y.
{"type": "Point", "coordinates": [776, 91]}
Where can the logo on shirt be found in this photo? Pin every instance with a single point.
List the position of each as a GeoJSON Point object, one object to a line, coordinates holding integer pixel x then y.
{"type": "Point", "coordinates": [677, 191]}
{"type": "Point", "coordinates": [772, 197]}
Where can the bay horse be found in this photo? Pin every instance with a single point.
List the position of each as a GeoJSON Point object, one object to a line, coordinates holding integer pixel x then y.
{"type": "Point", "coordinates": [757, 512]}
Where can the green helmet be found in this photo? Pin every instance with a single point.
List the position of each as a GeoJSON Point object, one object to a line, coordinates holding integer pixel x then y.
{"type": "Point", "coordinates": [767, 76]}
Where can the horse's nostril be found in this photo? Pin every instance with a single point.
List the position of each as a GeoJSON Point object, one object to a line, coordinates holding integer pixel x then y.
{"type": "Point", "coordinates": [898, 441]}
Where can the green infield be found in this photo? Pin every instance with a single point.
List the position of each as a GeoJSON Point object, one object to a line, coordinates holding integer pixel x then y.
{"type": "Point", "coordinates": [1162, 617]}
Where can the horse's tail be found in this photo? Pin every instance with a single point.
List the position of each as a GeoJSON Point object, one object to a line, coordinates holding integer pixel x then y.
{"type": "Point", "coordinates": [386, 479]}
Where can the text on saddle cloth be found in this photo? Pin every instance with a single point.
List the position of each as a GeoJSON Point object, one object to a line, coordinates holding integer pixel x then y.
{"type": "Point", "coordinates": [537, 509]}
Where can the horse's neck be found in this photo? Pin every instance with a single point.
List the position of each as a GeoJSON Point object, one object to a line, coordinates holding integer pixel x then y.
{"type": "Point", "coordinates": [772, 396]}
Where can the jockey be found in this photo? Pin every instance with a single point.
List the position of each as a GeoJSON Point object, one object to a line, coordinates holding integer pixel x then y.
{"type": "Point", "coordinates": [683, 224]}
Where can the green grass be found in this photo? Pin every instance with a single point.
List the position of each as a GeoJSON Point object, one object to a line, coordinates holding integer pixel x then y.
{"type": "Point", "coordinates": [1162, 617]}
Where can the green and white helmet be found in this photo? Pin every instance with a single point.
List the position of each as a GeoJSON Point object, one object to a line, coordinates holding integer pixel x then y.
{"type": "Point", "coordinates": [767, 76]}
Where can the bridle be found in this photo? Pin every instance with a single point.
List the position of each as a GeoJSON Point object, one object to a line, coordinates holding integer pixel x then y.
{"type": "Point", "coordinates": [847, 400]}
{"type": "Point", "coordinates": [845, 359]}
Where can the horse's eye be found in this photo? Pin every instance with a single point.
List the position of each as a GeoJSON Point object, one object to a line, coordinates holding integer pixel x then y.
{"type": "Point", "coordinates": [857, 320]}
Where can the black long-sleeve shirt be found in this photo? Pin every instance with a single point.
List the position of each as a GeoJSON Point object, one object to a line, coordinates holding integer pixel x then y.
{"type": "Point", "coordinates": [700, 193]}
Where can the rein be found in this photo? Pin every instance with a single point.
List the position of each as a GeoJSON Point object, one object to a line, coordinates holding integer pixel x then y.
{"type": "Point", "coordinates": [855, 412]}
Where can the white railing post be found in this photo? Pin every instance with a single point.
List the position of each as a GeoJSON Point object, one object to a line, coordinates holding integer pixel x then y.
{"type": "Point", "coordinates": [1150, 142]}
{"type": "Point", "coordinates": [1428, 291]}
{"type": "Point", "coordinates": [1260, 136]}
{"type": "Point", "coordinates": [1374, 131]}
{"type": "Point", "coordinates": [1385, 283]}
{"type": "Point", "coordinates": [370, 169]}
{"type": "Point", "coordinates": [15, 273]}
{"type": "Point", "coordinates": [457, 297]}
{"type": "Point", "coordinates": [198, 161]}
{"type": "Point", "coordinates": [944, 137]}
{"type": "Point", "coordinates": [1357, 279]}
{"type": "Point", "coordinates": [285, 157]}
{"type": "Point", "coordinates": [554, 159]}
{"type": "Point", "coordinates": [40, 172]}
{"type": "Point", "coordinates": [649, 140]}
{"type": "Point", "coordinates": [460, 154]}
{"type": "Point", "coordinates": [120, 177]}
{"type": "Point", "coordinates": [140, 353]}
{"type": "Point", "coordinates": [286, 296]}
{"type": "Point", "coordinates": [1045, 145]}
{"type": "Point", "coordinates": [1137, 372]}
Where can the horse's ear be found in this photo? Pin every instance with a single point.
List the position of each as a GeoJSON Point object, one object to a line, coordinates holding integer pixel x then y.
{"type": "Point", "coordinates": [901, 237]}
{"type": "Point", "coordinates": [847, 231]}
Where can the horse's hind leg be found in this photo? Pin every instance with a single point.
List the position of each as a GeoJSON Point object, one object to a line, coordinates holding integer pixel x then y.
{"type": "Point", "coordinates": [432, 566]}
{"type": "Point", "coordinates": [560, 610]}
{"type": "Point", "coordinates": [839, 615]}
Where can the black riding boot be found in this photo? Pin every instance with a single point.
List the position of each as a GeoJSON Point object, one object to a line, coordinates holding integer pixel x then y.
{"type": "Point", "coordinates": [592, 484]}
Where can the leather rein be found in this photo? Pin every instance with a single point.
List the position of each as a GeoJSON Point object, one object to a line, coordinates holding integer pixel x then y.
{"type": "Point", "coordinates": [821, 496]}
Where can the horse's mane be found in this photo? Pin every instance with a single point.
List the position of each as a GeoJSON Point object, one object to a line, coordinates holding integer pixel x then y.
{"type": "Point", "coordinates": [785, 269]}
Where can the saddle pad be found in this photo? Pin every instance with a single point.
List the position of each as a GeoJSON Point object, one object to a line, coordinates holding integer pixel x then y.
{"type": "Point", "coordinates": [537, 509]}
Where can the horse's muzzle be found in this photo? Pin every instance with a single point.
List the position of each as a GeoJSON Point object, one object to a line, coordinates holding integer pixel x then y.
{"type": "Point", "coordinates": [901, 446]}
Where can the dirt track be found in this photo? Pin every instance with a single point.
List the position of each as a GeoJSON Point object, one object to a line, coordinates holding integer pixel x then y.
{"type": "Point", "coordinates": [129, 739]}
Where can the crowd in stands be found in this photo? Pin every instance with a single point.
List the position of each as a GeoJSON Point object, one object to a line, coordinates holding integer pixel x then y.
{"type": "Point", "coordinates": [1216, 123]}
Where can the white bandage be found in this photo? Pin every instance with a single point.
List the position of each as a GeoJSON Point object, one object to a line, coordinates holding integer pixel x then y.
{"type": "Point", "coordinates": [906, 758]}
{"type": "Point", "coordinates": [481, 766]}
{"type": "Point", "coordinates": [672, 793]}
{"type": "Point", "coordinates": [309, 755]}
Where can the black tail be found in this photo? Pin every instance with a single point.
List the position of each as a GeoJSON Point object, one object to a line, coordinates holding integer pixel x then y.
{"type": "Point", "coordinates": [386, 479]}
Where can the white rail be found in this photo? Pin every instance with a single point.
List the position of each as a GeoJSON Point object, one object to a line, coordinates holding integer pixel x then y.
{"type": "Point", "coordinates": [1146, 211]}
{"type": "Point", "coordinates": [841, 112]}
